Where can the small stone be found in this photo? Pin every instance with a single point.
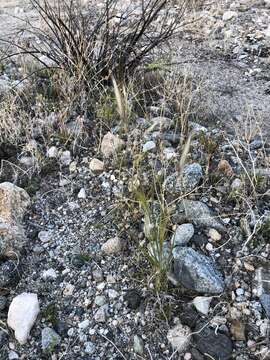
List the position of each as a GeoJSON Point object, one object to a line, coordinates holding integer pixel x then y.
{"type": "Point", "coordinates": [265, 301]}
{"type": "Point", "coordinates": [28, 161]}
{"type": "Point", "coordinates": [149, 146]}
{"type": "Point", "coordinates": [84, 324]}
{"type": "Point", "coordinates": [196, 271]}
{"type": "Point", "coordinates": [228, 15]}
{"type": "Point", "coordinates": [214, 235]}
{"type": "Point", "coordinates": [96, 165]}
{"type": "Point", "coordinates": [202, 304]}
{"type": "Point", "coordinates": [89, 348]}
{"type": "Point", "coordinates": [225, 167]}
{"type": "Point", "coordinates": [209, 247]}
{"type": "Point", "coordinates": [159, 123]}
{"type": "Point", "coordinates": [100, 315]}
{"type": "Point", "coordinates": [199, 213]}
{"type": "Point", "coordinates": [113, 294]}
{"type": "Point", "coordinates": [49, 340]}
{"type": "Point", "coordinates": [179, 337]}
{"type": "Point", "coordinates": [182, 235]}
{"type": "Point", "coordinates": [52, 152]}
{"type": "Point", "coordinates": [133, 299]}
{"type": "Point", "coordinates": [110, 144]}
{"type": "Point", "coordinates": [69, 289]}
{"type": "Point", "coordinates": [65, 158]}
{"type": "Point", "coordinates": [112, 246]}
{"type": "Point", "coordinates": [22, 315]}
{"type": "Point", "coordinates": [236, 184]}
{"type": "Point", "coordinates": [82, 194]}
{"type": "Point", "coordinates": [138, 345]}
{"type": "Point", "coordinates": [49, 274]}
{"type": "Point", "coordinates": [100, 300]}
{"type": "Point", "coordinates": [98, 275]}
{"type": "Point", "coordinates": [45, 236]}
{"type": "Point", "coordinates": [12, 355]}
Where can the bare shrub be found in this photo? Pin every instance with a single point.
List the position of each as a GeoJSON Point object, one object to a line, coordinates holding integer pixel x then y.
{"type": "Point", "coordinates": [97, 42]}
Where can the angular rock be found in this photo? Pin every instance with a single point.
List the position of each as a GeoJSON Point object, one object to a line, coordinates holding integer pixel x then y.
{"type": "Point", "coordinates": [65, 158]}
{"type": "Point", "coordinates": [185, 182]}
{"type": "Point", "coordinates": [112, 246]}
{"type": "Point", "coordinates": [182, 235]}
{"type": "Point", "coordinates": [110, 144]}
{"type": "Point", "coordinates": [52, 152]}
{"type": "Point", "coordinates": [49, 340]}
{"type": "Point", "coordinates": [149, 146]}
{"type": "Point", "coordinates": [13, 203]}
{"type": "Point", "coordinates": [96, 165]}
{"type": "Point", "coordinates": [265, 301]}
{"type": "Point", "coordinates": [138, 345]}
{"type": "Point", "coordinates": [22, 315]}
{"type": "Point", "coordinates": [199, 214]}
{"type": "Point", "coordinates": [196, 271]}
{"type": "Point", "coordinates": [179, 337]}
{"type": "Point", "coordinates": [12, 239]}
{"type": "Point", "coordinates": [217, 345]}
{"type": "Point", "coordinates": [202, 304]}
{"type": "Point", "coordinates": [159, 123]}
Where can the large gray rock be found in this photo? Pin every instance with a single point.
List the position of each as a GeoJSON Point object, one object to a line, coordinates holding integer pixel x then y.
{"type": "Point", "coordinates": [196, 271]}
{"type": "Point", "coordinates": [49, 339]}
{"type": "Point", "coordinates": [199, 214]}
{"type": "Point", "coordinates": [187, 181]}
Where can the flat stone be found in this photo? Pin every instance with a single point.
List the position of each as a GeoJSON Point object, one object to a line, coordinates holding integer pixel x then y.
{"type": "Point", "coordinates": [216, 345]}
{"type": "Point", "coordinates": [22, 315]}
{"type": "Point", "coordinates": [202, 304]}
{"type": "Point", "coordinates": [196, 271]}
{"type": "Point", "coordinates": [96, 165]}
{"type": "Point", "coordinates": [112, 246]}
{"type": "Point", "coordinates": [149, 146]}
{"type": "Point", "coordinates": [199, 214]}
{"type": "Point", "coordinates": [182, 235]}
{"type": "Point", "coordinates": [138, 345]}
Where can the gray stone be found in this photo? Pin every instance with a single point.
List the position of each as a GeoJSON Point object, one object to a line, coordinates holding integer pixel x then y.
{"type": "Point", "coordinates": [89, 348]}
{"type": "Point", "coordinates": [182, 235]}
{"type": "Point", "coordinates": [101, 314]}
{"type": "Point", "coordinates": [100, 300]}
{"type": "Point", "coordinates": [50, 339]}
{"type": "Point", "coordinates": [196, 271]}
{"type": "Point", "coordinates": [216, 345]}
{"type": "Point", "coordinates": [185, 182]}
{"type": "Point", "coordinates": [3, 302]}
{"type": "Point", "coordinates": [138, 345]}
{"type": "Point", "coordinates": [265, 301]}
{"type": "Point", "coordinates": [199, 214]}
{"type": "Point", "coordinates": [179, 337]}
{"type": "Point", "coordinates": [159, 123]}
{"type": "Point", "coordinates": [148, 146]}
{"type": "Point", "coordinates": [111, 144]}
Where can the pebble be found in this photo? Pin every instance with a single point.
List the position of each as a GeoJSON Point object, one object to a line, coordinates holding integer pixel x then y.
{"type": "Point", "coordinates": [182, 235]}
{"type": "Point", "coordinates": [214, 235]}
{"type": "Point", "coordinates": [149, 146]}
{"type": "Point", "coordinates": [138, 345]}
{"type": "Point", "coordinates": [96, 165]}
{"type": "Point", "coordinates": [65, 158]}
{"type": "Point", "coordinates": [50, 339]}
{"type": "Point", "coordinates": [82, 194]}
{"type": "Point", "coordinates": [112, 246]}
{"type": "Point", "coordinates": [179, 337]}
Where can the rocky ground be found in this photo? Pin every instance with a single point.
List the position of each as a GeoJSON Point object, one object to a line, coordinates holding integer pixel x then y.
{"type": "Point", "coordinates": [82, 236]}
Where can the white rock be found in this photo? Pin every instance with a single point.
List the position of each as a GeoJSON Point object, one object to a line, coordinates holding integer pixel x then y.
{"type": "Point", "coordinates": [202, 304]}
{"type": "Point", "coordinates": [110, 144]}
{"type": "Point", "coordinates": [45, 236]}
{"type": "Point", "coordinates": [228, 15]}
{"type": "Point", "coordinates": [52, 152]}
{"type": "Point", "coordinates": [214, 235]}
{"type": "Point", "coordinates": [236, 184]}
{"type": "Point", "coordinates": [49, 274]}
{"type": "Point", "coordinates": [179, 337]}
{"type": "Point", "coordinates": [148, 146]}
{"type": "Point", "coordinates": [28, 161]}
{"type": "Point", "coordinates": [82, 194]}
{"type": "Point", "coordinates": [96, 165]}
{"type": "Point", "coordinates": [112, 246]}
{"type": "Point", "coordinates": [22, 315]}
{"type": "Point", "coordinates": [12, 355]}
{"type": "Point", "coordinates": [65, 158]}
{"type": "Point", "coordinates": [84, 324]}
